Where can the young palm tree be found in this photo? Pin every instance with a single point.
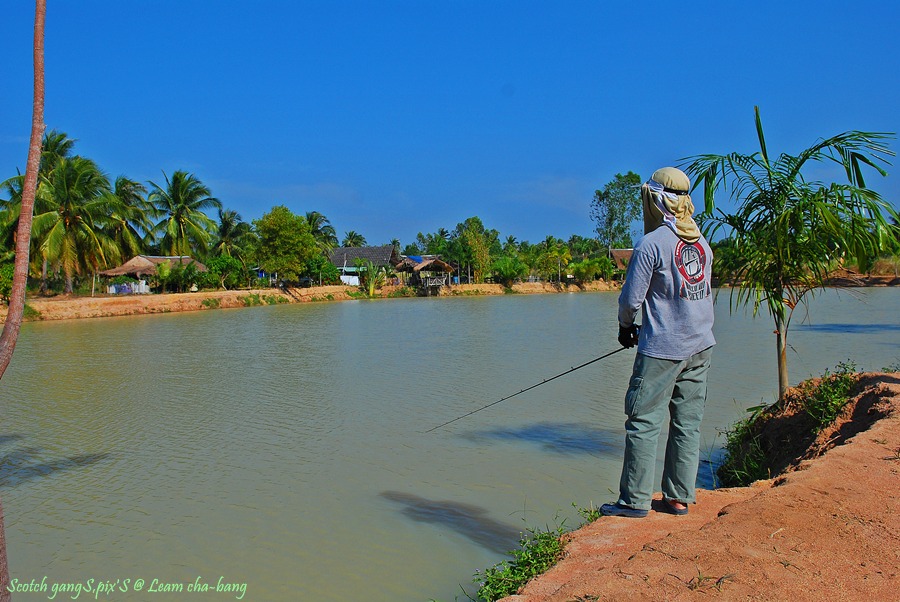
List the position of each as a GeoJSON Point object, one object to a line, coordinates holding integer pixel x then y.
{"type": "Point", "coordinates": [72, 231]}
{"type": "Point", "coordinates": [371, 277]}
{"type": "Point", "coordinates": [322, 231]}
{"type": "Point", "coordinates": [353, 239]}
{"type": "Point", "coordinates": [184, 229]}
{"type": "Point", "coordinates": [789, 231]}
{"type": "Point", "coordinates": [507, 269]}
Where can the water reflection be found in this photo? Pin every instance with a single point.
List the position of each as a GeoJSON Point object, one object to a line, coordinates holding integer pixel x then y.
{"type": "Point", "coordinates": [560, 438]}
{"type": "Point", "coordinates": [25, 463]}
{"type": "Point", "coordinates": [466, 519]}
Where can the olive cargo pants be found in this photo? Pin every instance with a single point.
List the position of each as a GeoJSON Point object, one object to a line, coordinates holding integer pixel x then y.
{"type": "Point", "coordinates": [661, 389]}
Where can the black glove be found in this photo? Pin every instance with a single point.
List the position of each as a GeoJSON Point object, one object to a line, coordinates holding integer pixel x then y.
{"type": "Point", "coordinates": [628, 337]}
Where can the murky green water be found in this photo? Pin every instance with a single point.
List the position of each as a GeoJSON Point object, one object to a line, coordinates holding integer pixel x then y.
{"type": "Point", "coordinates": [284, 447]}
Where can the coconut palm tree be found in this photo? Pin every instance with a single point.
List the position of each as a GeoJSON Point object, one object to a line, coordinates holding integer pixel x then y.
{"type": "Point", "coordinates": [10, 206]}
{"type": "Point", "coordinates": [56, 145]}
{"type": "Point", "coordinates": [73, 230]}
{"type": "Point", "coordinates": [583, 247]}
{"type": "Point", "coordinates": [184, 229]}
{"type": "Point", "coordinates": [353, 239]}
{"type": "Point", "coordinates": [230, 235]}
{"type": "Point", "coordinates": [322, 231]}
{"type": "Point", "coordinates": [788, 231]}
{"type": "Point", "coordinates": [131, 220]}
{"type": "Point", "coordinates": [14, 315]}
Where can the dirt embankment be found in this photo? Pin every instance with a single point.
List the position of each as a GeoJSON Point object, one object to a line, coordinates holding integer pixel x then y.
{"type": "Point", "coordinates": [70, 307]}
{"type": "Point", "coordinates": [827, 529]}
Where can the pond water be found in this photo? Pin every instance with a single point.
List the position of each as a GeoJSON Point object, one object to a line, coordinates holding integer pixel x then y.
{"type": "Point", "coordinates": [285, 448]}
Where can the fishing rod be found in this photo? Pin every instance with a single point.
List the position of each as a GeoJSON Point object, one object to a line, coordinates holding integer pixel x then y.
{"type": "Point", "coordinates": [596, 359]}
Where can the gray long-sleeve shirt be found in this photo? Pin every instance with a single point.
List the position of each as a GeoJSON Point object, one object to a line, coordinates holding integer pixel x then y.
{"type": "Point", "coordinates": [669, 280]}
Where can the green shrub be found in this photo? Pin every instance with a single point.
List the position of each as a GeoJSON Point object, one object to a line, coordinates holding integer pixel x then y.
{"type": "Point", "coordinates": [745, 460]}
{"type": "Point", "coordinates": [772, 437]}
{"type": "Point", "coordinates": [275, 299]}
{"type": "Point", "coordinates": [825, 400]}
{"type": "Point", "coordinates": [6, 278]}
{"type": "Point", "coordinates": [30, 313]}
{"type": "Point", "coordinates": [403, 291]}
{"type": "Point", "coordinates": [211, 303]}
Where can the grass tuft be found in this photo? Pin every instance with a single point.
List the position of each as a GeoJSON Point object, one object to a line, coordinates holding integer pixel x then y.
{"type": "Point", "coordinates": [211, 303]}
{"type": "Point", "coordinates": [825, 400]}
{"type": "Point", "coordinates": [539, 550]}
{"type": "Point", "coordinates": [30, 313]}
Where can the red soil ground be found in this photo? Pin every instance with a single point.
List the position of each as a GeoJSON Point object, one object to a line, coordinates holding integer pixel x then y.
{"type": "Point", "coordinates": [826, 529]}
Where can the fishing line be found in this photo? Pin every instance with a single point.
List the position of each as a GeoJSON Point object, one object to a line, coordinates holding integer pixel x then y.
{"type": "Point", "coordinates": [596, 359]}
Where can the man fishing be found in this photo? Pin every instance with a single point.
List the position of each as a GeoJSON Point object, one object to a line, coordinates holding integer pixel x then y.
{"type": "Point", "coordinates": [668, 279]}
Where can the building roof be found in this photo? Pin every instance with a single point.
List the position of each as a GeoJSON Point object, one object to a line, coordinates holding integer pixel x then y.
{"type": "Point", "coordinates": [141, 265]}
{"type": "Point", "coordinates": [434, 265]}
{"type": "Point", "coordinates": [426, 263]}
{"type": "Point", "coordinates": [621, 257]}
{"type": "Point", "coordinates": [379, 256]}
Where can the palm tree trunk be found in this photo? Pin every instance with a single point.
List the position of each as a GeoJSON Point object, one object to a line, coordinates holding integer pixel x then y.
{"type": "Point", "coordinates": [23, 241]}
{"type": "Point", "coordinates": [781, 347]}
{"type": "Point", "coordinates": [5, 594]}
{"type": "Point", "coordinates": [44, 276]}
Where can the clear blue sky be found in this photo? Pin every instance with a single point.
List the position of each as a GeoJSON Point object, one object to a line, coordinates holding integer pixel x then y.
{"type": "Point", "coordinates": [398, 117]}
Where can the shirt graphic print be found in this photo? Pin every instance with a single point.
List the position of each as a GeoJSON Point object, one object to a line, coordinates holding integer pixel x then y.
{"type": "Point", "coordinates": [690, 259]}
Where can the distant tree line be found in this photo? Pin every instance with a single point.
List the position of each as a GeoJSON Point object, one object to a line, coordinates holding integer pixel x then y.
{"type": "Point", "coordinates": [86, 222]}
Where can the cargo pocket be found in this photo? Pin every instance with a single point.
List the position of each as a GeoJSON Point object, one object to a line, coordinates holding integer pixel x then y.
{"type": "Point", "coordinates": [632, 396]}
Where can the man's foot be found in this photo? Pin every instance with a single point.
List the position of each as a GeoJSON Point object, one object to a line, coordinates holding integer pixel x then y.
{"type": "Point", "coordinates": [674, 507]}
{"type": "Point", "coordinates": [620, 510]}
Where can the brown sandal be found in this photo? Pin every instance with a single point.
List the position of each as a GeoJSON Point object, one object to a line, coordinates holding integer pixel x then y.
{"type": "Point", "coordinates": [669, 506]}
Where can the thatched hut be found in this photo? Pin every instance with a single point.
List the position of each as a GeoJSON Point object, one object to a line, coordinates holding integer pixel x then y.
{"type": "Point", "coordinates": [146, 265]}
{"type": "Point", "coordinates": [141, 266]}
{"type": "Point", "coordinates": [428, 272]}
